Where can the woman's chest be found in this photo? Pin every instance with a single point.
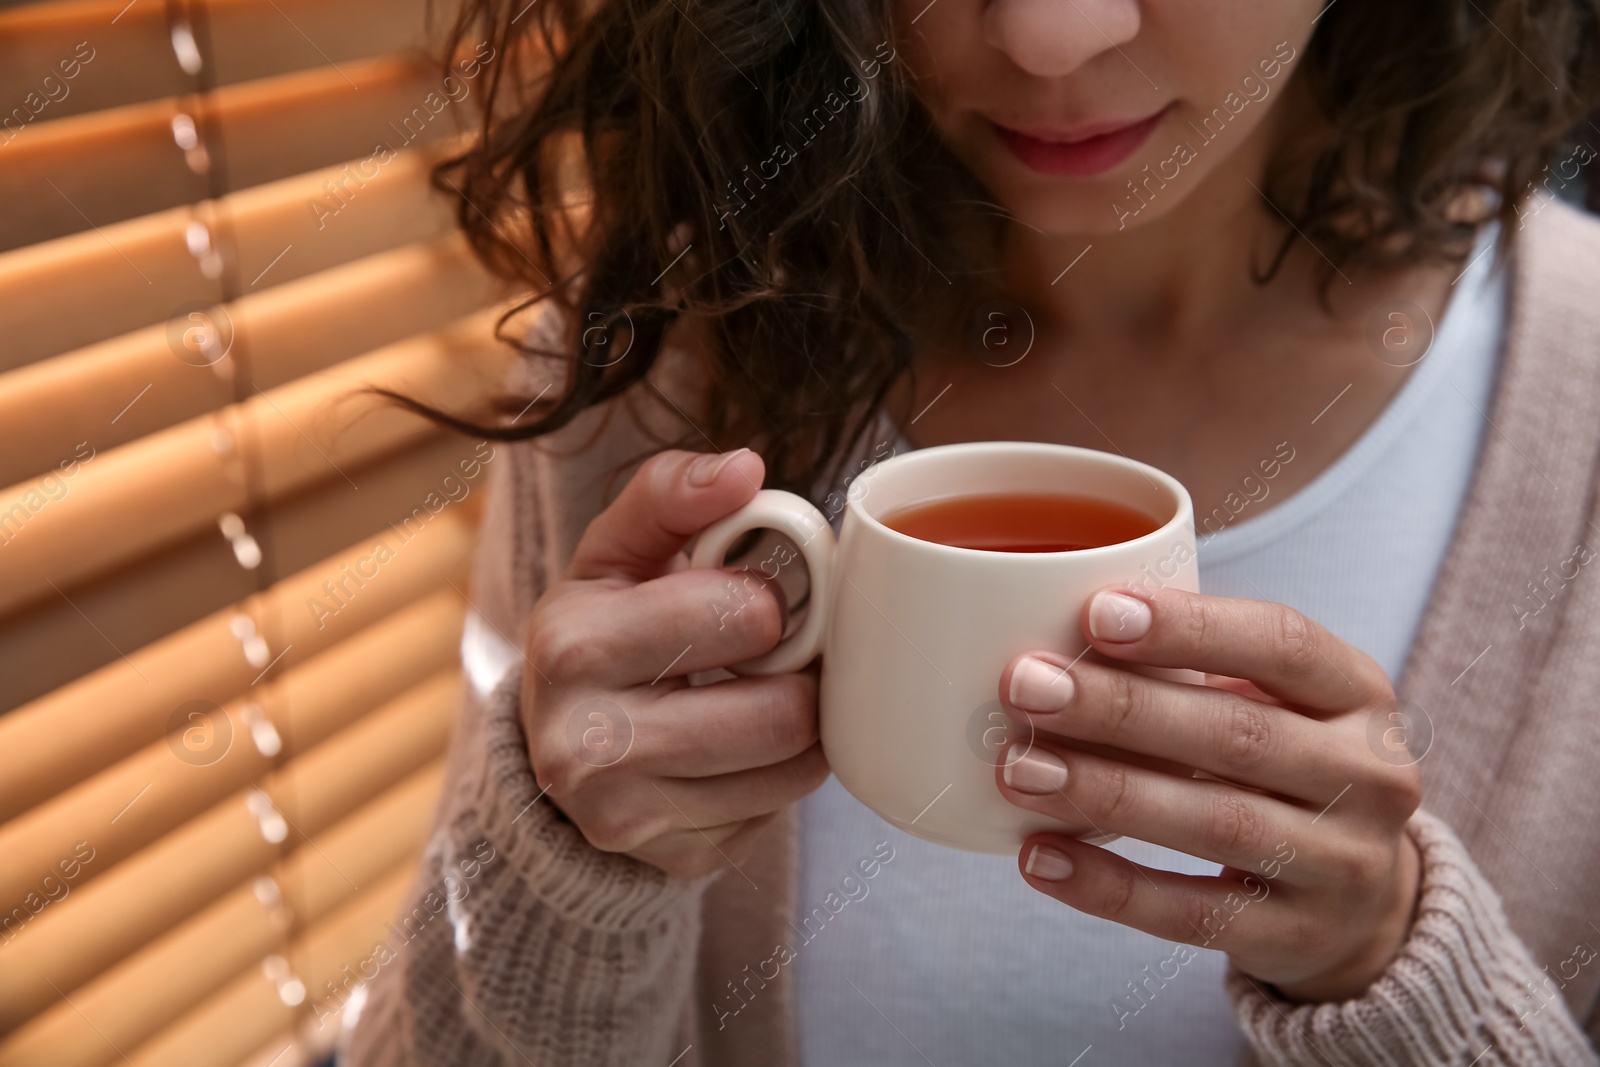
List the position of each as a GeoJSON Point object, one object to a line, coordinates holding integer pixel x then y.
{"type": "Point", "coordinates": [1209, 420]}
{"type": "Point", "coordinates": [951, 956]}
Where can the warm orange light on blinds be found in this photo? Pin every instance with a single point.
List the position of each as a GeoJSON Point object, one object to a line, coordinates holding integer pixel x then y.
{"type": "Point", "coordinates": [134, 999]}
{"type": "Point", "coordinates": [232, 584]}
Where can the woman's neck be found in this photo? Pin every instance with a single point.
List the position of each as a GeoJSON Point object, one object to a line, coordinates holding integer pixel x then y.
{"type": "Point", "coordinates": [1185, 272]}
{"type": "Point", "coordinates": [1159, 343]}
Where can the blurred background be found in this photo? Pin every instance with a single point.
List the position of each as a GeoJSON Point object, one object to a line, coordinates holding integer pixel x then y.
{"type": "Point", "coordinates": [231, 585]}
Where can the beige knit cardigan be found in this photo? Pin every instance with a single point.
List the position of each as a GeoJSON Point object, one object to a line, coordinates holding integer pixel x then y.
{"type": "Point", "coordinates": [555, 954]}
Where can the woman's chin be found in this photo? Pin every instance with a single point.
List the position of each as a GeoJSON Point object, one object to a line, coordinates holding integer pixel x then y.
{"type": "Point", "coordinates": [1083, 210]}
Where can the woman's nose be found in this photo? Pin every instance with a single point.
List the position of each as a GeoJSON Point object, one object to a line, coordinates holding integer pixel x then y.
{"type": "Point", "coordinates": [1053, 38]}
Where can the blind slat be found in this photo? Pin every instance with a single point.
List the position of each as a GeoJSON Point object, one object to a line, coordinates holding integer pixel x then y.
{"type": "Point", "coordinates": [140, 271]}
{"type": "Point", "coordinates": [132, 55]}
{"type": "Point", "coordinates": [168, 484]}
{"type": "Point", "coordinates": [154, 890]}
{"type": "Point", "coordinates": [272, 128]}
{"type": "Point", "coordinates": [239, 1019]}
{"type": "Point", "coordinates": [174, 782]}
{"type": "Point", "coordinates": [147, 991]}
{"type": "Point", "coordinates": [88, 725]}
{"type": "Point", "coordinates": [298, 1047]}
{"type": "Point", "coordinates": [285, 333]}
{"type": "Point", "coordinates": [50, 644]}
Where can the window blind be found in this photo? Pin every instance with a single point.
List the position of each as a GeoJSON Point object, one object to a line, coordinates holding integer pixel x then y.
{"type": "Point", "coordinates": [232, 581]}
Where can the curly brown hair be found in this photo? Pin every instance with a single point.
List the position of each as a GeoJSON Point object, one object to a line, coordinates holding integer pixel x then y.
{"type": "Point", "coordinates": [620, 172]}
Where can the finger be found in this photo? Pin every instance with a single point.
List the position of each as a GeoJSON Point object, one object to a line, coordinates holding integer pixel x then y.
{"type": "Point", "coordinates": [622, 812]}
{"type": "Point", "coordinates": [696, 853]}
{"type": "Point", "coordinates": [735, 725]}
{"type": "Point", "coordinates": [1243, 687]}
{"type": "Point", "coordinates": [672, 497]}
{"type": "Point", "coordinates": [1208, 912]}
{"type": "Point", "coordinates": [1215, 730]}
{"type": "Point", "coordinates": [1213, 820]}
{"type": "Point", "coordinates": [1278, 648]}
{"type": "Point", "coordinates": [659, 630]}
{"type": "Point", "coordinates": [698, 802]}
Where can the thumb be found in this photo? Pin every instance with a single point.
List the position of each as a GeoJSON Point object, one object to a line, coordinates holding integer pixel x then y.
{"type": "Point", "coordinates": [671, 498]}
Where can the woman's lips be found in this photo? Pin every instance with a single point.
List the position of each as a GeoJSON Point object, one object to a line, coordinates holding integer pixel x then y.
{"type": "Point", "coordinates": [1080, 155]}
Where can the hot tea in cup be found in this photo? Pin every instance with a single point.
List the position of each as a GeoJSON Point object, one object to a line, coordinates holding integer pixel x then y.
{"type": "Point", "coordinates": [951, 561]}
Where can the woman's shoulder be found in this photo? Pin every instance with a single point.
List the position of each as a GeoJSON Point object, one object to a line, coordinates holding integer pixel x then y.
{"type": "Point", "coordinates": [1556, 272]}
{"type": "Point", "coordinates": [550, 487]}
{"type": "Point", "coordinates": [653, 413]}
{"type": "Point", "coordinates": [1550, 373]}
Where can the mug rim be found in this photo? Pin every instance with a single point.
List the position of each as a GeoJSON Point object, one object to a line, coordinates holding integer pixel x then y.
{"type": "Point", "coordinates": [1183, 506]}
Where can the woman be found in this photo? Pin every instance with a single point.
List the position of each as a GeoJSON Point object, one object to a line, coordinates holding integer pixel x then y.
{"type": "Point", "coordinates": [1307, 259]}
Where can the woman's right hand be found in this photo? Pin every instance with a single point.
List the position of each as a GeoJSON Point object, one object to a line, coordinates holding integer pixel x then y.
{"type": "Point", "coordinates": [687, 776]}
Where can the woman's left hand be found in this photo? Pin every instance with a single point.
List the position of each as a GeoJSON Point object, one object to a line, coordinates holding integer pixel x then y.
{"type": "Point", "coordinates": [1320, 878]}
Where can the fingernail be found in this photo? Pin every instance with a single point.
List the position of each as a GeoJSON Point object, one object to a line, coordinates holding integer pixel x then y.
{"type": "Point", "coordinates": [1118, 617]}
{"type": "Point", "coordinates": [1048, 863]}
{"type": "Point", "coordinates": [704, 471]}
{"type": "Point", "coordinates": [1040, 686]}
{"type": "Point", "coordinates": [1036, 772]}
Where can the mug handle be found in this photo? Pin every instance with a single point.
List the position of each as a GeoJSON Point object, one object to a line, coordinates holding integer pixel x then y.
{"type": "Point", "coordinates": [808, 528]}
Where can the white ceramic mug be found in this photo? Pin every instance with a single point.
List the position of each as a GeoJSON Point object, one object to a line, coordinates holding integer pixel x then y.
{"type": "Point", "coordinates": [914, 635]}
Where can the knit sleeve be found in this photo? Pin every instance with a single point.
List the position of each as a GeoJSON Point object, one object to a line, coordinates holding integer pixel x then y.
{"type": "Point", "coordinates": [520, 942]}
{"type": "Point", "coordinates": [1463, 989]}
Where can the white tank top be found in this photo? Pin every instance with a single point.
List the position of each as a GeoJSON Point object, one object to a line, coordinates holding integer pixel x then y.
{"type": "Point", "coordinates": [951, 959]}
